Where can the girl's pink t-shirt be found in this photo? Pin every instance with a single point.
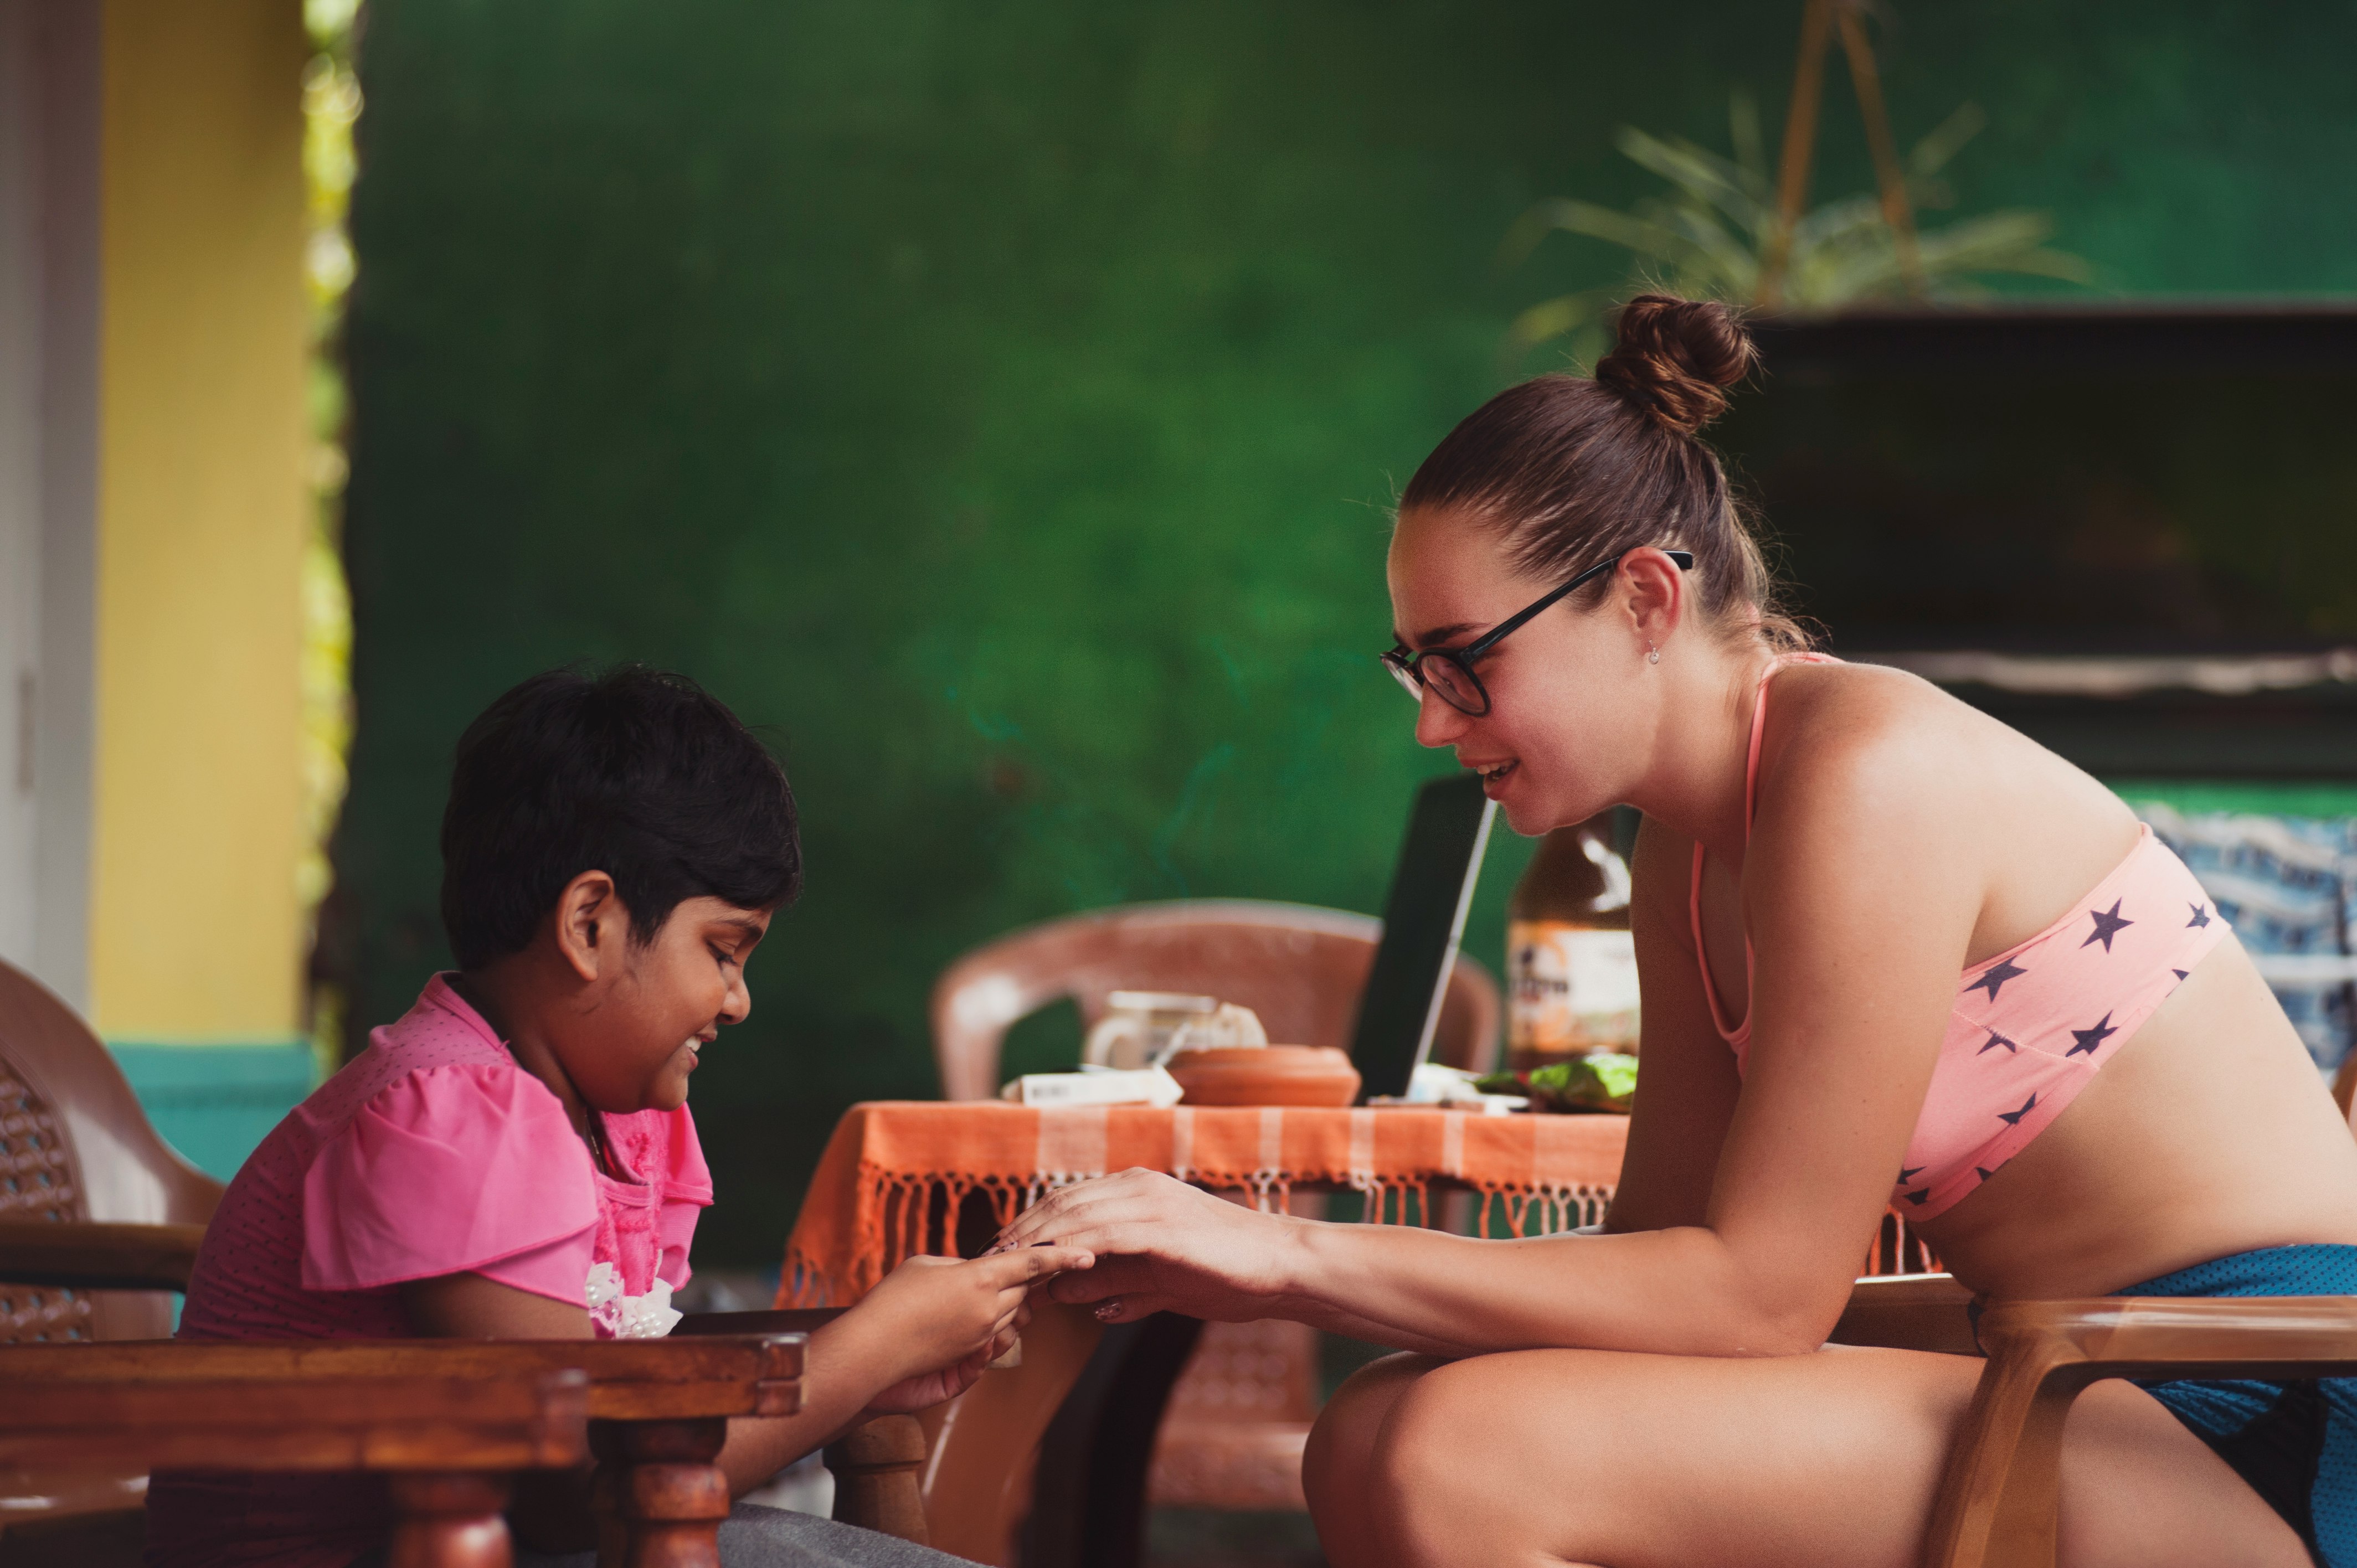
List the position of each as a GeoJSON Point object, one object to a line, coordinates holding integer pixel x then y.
{"type": "Point", "coordinates": [431, 1153]}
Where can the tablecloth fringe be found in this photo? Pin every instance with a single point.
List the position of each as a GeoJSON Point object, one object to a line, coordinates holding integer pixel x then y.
{"type": "Point", "coordinates": [1554, 1208]}
{"type": "Point", "coordinates": [900, 1215]}
{"type": "Point", "coordinates": [1544, 1210]}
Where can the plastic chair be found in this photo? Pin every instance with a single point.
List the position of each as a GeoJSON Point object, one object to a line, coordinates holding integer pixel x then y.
{"type": "Point", "coordinates": [99, 1217]}
{"type": "Point", "coordinates": [1299, 967]}
{"type": "Point", "coordinates": [85, 1183]}
{"type": "Point", "coordinates": [1242, 1411]}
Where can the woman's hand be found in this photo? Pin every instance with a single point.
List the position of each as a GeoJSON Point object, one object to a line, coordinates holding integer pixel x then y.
{"type": "Point", "coordinates": [1160, 1245]}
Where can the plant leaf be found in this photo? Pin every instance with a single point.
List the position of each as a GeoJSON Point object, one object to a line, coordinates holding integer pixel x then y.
{"type": "Point", "coordinates": [1703, 236]}
{"type": "Point", "coordinates": [1933, 153]}
{"type": "Point", "coordinates": [1701, 174]}
{"type": "Point", "coordinates": [1743, 134]}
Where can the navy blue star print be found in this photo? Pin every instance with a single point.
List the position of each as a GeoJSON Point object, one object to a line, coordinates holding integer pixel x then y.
{"type": "Point", "coordinates": [1909, 1173]}
{"type": "Point", "coordinates": [2201, 916]}
{"type": "Point", "coordinates": [1920, 1198]}
{"type": "Point", "coordinates": [1994, 1040]}
{"type": "Point", "coordinates": [2090, 1038]}
{"type": "Point", "coordinates": [2107, 926]}
{"type": "Point", "coordinates": [1983, 1172]}
{"type": "Point", "coordinates": [1995, 976]}
{"type": "Point", "coordinates": [2179, 972]}
{"type": "Point", "coordinates": [2013, 1117]}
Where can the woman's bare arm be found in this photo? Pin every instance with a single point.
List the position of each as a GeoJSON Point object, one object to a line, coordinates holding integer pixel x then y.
{"type": "Point", "coordinates": [1685, 1096]}
{"type": "Point", "coordinates": [1861, 901]}
{"type": "Point", "coordinates": [1687, 1086]}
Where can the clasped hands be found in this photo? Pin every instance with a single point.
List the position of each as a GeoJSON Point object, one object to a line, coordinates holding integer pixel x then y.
{"type": "Point", "coordinates": [1132, 1245]}
{"type": "Point", "coordinates": [1159, 1245]}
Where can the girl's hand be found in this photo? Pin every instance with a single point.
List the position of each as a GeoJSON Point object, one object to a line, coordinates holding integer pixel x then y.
{"type": "Point", "coordinates": [1160, 1244]}
{"type": "Point", "coordinates": [931, 1318]}
{"type": "Point", "coordinates": [927, 1390]}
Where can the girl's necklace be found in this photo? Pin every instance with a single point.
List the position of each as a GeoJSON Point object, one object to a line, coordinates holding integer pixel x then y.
{"type": "Point", "coordinates": [600, 1151]}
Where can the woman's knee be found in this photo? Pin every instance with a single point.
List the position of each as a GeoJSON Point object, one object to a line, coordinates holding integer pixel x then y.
{"type": "Point", "coordinates": [1335, 1465]}
{"type": "Point", "coordinates": [1432, 1476]}
{"type": "Point", "coordinates": [1433, 1424]}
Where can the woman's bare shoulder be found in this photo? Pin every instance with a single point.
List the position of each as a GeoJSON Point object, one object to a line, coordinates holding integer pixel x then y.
{"type": "Point", "coordinates": [1846, 745]}
{"type": "Point", "coordinates": [1872, 726]}
{"type": "Point", "coordinates": [1844, 736]}
{"type": "Point", "coordinates": [1867, 760]}
{"type": "Point", "coordinates": [1847, 694]}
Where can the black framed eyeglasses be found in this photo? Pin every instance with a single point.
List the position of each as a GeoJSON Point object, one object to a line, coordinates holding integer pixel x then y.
{"type": "Point", "coordinates": [1450, 670]}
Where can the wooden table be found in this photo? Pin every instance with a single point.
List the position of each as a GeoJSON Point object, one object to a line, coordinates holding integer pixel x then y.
{"type": "Point", "coordinates": [900, 1178]}
{"type": "Point", "coordinates": [658, 1412]}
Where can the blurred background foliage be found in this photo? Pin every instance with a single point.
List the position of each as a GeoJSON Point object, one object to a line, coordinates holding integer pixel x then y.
{"type": "Point", "coordinates": [1707, 236]}
{"type": "Point", "coordinates": [331, 107]}
{"type": "Point", "coordinates": [1001, 404]}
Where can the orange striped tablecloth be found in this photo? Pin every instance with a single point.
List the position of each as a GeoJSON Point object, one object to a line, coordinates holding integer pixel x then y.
{"type": "Point", "coordinates": [896, 1173]}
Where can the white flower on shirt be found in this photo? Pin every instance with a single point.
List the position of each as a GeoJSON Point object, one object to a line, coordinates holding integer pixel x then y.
{"type": "Point", "coordinates": [618, 1316]}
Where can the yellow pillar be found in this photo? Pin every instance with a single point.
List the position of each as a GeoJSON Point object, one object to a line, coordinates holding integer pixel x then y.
{"type": "Point", "coordinates": [194, 927]}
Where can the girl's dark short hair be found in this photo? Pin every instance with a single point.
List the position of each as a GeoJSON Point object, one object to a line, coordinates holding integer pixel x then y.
{"type": "Point", "coordinates": [635, 772]}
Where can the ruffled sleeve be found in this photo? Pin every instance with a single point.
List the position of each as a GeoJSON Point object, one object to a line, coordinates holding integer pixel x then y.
{"type": "Point", "coordinates": [445, 1171]}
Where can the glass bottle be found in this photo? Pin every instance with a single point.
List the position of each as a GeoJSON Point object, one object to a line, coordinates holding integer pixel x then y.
{"type": "Point", "coordinates": [1571, 964]}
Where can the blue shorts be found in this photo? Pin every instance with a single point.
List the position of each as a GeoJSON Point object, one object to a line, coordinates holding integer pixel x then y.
{"type": "Point", "coordinates": [2294, 1442]}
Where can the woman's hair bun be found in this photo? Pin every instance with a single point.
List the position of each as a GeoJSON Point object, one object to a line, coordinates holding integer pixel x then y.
{"type": "Point", "coordinates": [1676, 358]}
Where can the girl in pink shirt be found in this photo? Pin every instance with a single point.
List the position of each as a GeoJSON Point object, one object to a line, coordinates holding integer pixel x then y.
{"type": "Point", "coordinates": [515, 1157]}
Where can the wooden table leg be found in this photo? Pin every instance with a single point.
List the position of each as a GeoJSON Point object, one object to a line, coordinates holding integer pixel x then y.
{"type": "Point", "coordinates": [660, 1497]}
{"type": "Point", "coordinates": [1089, 1503]}
{"type": "Point", "coordinates": [448, 1520]}
{"type": "Point", "coordinates": [875, 1469]}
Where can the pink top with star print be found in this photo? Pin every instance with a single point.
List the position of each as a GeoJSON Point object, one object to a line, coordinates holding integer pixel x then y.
{"type": "Point", "coordinates": [2033, 1025]}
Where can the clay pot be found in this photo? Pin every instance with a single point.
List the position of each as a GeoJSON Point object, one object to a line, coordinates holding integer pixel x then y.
{"type": "Point", "coordinates": [1266, 1075]}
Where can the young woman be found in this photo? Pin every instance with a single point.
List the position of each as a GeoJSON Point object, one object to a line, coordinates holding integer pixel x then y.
{"type": "Point", "coordinates": [1894, 955]}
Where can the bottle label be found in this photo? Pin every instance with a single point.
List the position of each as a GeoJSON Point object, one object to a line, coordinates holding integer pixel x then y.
{"type": "Point", "coordinates": [1573, 988]}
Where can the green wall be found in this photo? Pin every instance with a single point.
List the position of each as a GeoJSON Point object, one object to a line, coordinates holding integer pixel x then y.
{"type": "Point", "coordinates": [1001, 401]}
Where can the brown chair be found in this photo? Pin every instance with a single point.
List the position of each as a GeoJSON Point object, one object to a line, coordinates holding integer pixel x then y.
{"type": "Point", "coordinates": [448, 1445]}
{"type": "Point", "coordinates": [1299, 968]}
{"type": "Point", "coordinates": [1241, 1410]}
{"type": "Point", "coordinates": [2000, 1495]}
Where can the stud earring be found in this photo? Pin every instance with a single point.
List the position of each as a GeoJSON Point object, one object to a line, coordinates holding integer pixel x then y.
{"type": "Point", "coordinates": [1652, 654]}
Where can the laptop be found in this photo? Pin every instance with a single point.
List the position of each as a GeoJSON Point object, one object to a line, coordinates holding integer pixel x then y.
{"type": "Point", "coordinates": [1423, 920]}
